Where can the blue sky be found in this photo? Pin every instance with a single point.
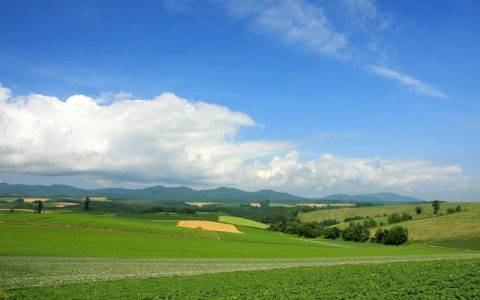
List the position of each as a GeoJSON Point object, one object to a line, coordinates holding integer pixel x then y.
{"type": "Point", "coordinates": [361, 80]}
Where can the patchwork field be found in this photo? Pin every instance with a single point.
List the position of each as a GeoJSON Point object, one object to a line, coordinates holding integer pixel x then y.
{"type": "Point", "coordinates": [131, 257]}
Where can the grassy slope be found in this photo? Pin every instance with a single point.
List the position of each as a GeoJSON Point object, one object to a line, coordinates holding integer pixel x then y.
{"type": "Point", "coordinates": [105, 236]}
{"type": "Point", "coordinates": [241, 222]}
{"type": "Point", "coordinates": [457, 230]}
{"type": "Point", "coordinates": [439, 279]}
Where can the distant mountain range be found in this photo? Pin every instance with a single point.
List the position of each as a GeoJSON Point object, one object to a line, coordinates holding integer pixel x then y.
{"type": "Point", "coordinates": [372, 198]}
{"type": "Point", "coordinates": [162, 193]}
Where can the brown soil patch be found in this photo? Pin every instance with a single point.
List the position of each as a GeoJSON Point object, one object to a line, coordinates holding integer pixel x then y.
{"type": "Point", "coordinates": [209, 225]}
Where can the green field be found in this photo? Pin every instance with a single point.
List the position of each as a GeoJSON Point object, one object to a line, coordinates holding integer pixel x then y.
{"type": "Point", "coordinates": [241, 222]}
{"type": "Point", "coordinates": [85, 235]}
{"type": "Point", "coordinates": [147, 255]}
{"type": "Point", "coordinates": [426, 279]}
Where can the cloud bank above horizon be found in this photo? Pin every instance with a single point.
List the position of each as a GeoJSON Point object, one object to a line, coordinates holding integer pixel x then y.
{"type": "Point", "coordinates": [169, 139]}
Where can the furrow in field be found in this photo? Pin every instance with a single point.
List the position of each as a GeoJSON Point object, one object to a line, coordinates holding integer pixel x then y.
{"type": "Point", "coordinates": [41, 271]}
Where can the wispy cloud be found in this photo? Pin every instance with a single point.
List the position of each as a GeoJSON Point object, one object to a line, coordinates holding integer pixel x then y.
{"type": "Point", "coordinates": [293, 22]}
{"type": "Point", "coordinates": [412, 83]}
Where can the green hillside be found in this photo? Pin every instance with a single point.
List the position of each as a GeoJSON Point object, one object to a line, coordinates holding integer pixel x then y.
{"type": "Point", "coordinates": [241, 222]}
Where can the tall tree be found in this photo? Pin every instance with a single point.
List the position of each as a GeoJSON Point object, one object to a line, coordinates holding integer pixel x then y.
{"type": "Point", "coordinates": [436, 206]}
{"type": "Point", "coordinates": [86, 204]}
{"type": "Point", "coordinates": [39, 206]}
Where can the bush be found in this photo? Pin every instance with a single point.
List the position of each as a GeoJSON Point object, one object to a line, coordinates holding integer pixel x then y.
{"type": "Point", "coordinates": [396, 235]}
{"type": "Point", "coordinates": [329, 222]}
{"type": "Point", "coordinates": [394, 218]}
{"type": "Point", "coordinates": [458, 209]}
{"type": "Point", "coordinates": [352, 218]}
{"type": "Point", "coordinates": [356, 232]}
{"type": "Point", "coordinates": [450, 210]}
{"type": "Point", "coordinates": [332, 233]}
{"type": "Point", "coordinates": [418, 210]}
{"type": "Point", "coordinates": [309, 230]}
{"type": "Point", "coordinates": [406, 216]}
{"type": "Point", "coordinates": [369, 223]}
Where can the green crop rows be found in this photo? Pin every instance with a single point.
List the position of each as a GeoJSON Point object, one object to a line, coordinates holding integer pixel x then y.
{"type": "Point", "coordinates": [400, 280]}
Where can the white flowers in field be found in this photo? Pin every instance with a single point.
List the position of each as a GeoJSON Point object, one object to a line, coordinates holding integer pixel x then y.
{"type": "Point", "coordinates": [40, 271]}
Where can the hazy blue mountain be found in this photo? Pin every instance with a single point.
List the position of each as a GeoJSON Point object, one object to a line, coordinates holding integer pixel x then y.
{"type": "Point", "coordinates": [372, 198]}
{"type": "Point", "coordinates": [162, 193]}
{"type": "Point", "coordinates": [159, 193]}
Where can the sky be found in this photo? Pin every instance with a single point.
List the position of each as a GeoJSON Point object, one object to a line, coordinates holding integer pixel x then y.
{"type": "Point", "coordinates": [306, 97]}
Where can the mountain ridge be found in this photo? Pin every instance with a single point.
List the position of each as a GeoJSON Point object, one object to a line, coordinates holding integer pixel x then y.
{"type": "Point", "coordinates": [183, 193]}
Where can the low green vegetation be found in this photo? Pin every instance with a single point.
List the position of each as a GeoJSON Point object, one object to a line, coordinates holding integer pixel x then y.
{"type": "Point", "coordinates": [85, 235]}
{"type": "Point", "coordinates": [241, 222]}
{"type": "Point", "coordinates": [400, 280]}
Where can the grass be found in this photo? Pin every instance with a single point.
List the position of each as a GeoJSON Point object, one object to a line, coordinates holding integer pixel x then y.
{"type": "Point", "coordinates": [460, 229]}
{"type": "Point", "coordinates": [241, 222]}
{"type": "Point", "coordinates": [83, 235]}
{"type": "Point", "coordinates": [379, 210]}
{"type": "Point", "coordinates": [400, 280]}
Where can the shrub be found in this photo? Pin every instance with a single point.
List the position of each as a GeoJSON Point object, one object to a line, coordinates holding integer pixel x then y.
{"type": "Point", "coordinates": [458, 209]}
{"type": "Point", "coordinates": [332, 233]}
{"type": "Point", "coordinates": [356, 232]}
{"type": "Point", "coordinates": [352, 218]}
{"type": "Point", "coordinates": [396, 235]}
{"type": "Point", "coordinates": [450, 210]}
{"type": "Point", "coordinates": [394, 218]}
{"type": "Point", "coordinates": [418, 210]}
{"type": "Point", "coordinates": [329, 222]}
{"type": "Point", "coordinates": [369, 223]}
{"type": "Point", "coordinates": [406, 216]}
{"type": "Point", "coordinates": [309, 230]}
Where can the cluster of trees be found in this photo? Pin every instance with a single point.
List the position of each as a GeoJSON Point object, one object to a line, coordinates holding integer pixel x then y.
{"type": "Point", "coordinates": [396, 235]}
{"type": "Point", "coordinates": [396, 217]}
{"type": "Point", "coordinates": [308, 230]}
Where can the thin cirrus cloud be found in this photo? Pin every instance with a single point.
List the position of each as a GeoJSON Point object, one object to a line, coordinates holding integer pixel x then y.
{"type": "Point", "coordinates": [326, 29]}
{"type": "Point", "coordinates": [173, 140]}
{"type": "Point", "coordinates": [408, 81]}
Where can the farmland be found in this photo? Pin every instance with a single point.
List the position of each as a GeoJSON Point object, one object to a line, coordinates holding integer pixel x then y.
{"type": "Point", "coordinates": [433, 279]}
{"type": "Point", "coordinates": [143, 255]}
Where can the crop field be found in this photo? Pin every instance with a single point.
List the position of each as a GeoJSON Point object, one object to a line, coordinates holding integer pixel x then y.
{"type": "Point", "coordinates": [241, 222]}
{"type": "Point", "coordinates": [57, 255]}
{"type": "Point", "coordinates": [363, 279]}
{"type": "Point", "coordinates": [208, 225]}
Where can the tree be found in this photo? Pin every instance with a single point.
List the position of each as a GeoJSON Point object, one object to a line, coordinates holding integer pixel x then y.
{"type": "Point", "coordinates": [86, 204]}
{"type": "Point", "coordinates": [396, 235]}
{"type": "Point", "coordinates": [39, 206]}
{"type": "Point", "coordinates": [418, 210]}
{"type": "Point", "coordinates": [332, 233]}
{"type": "Point", "coordinates": [356, 232]}
{"type": "Point", "coordinates": [435, 206]}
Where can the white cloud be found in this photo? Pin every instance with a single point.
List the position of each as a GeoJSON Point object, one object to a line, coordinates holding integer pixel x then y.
{"type": "Point", "coordinates": [292, 21]}
{"type": "Point", "coordinates": [408, 81]}
{"type": "Point", "coordinates": [173, 140]}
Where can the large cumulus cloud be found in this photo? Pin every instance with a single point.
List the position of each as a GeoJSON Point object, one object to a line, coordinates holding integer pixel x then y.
{"type": "Point", "coordinates": [169, 139]}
